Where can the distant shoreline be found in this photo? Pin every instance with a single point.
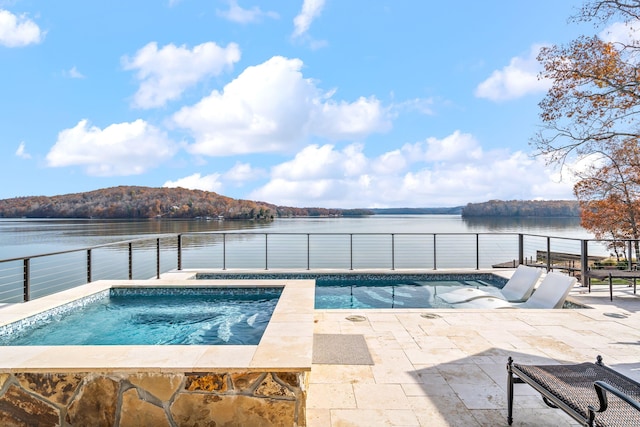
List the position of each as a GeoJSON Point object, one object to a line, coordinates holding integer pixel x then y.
{"type": "Point", "coordinates": [418, 211]}
{"type": "Point", "coordinates": [133, 202]}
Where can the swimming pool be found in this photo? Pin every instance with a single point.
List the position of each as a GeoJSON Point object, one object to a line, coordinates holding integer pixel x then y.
{"type": "Point", "coordinates": [395, 293]}
{"type": "Point", "coordinates": [379, 290]}
{"type": "Point", "coordinates": [152, 316]}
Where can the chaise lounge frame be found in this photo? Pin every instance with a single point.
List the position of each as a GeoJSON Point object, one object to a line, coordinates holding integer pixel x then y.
{"type": "Point", "coordinates": [581, 391]}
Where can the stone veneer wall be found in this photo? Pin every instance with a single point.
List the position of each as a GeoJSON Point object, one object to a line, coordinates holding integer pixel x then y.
{"type": "Point", "coordinates": [235, 398]}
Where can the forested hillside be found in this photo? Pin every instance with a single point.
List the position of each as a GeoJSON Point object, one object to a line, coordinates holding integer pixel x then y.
{"type": "Point", "coordinates": [418, 211]}
{"type": "Point", "coordinates": [522, 208]}
{"type": "Point", "coordinates": [146, 202]}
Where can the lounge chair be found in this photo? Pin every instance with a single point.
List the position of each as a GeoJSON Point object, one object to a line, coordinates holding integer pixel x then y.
{"type": "Point", "coordinates": [591, 393]}
{"type": "Point", "coordinates": [517, 289]}
{"type": "Point", "coordinates": [551, 293]}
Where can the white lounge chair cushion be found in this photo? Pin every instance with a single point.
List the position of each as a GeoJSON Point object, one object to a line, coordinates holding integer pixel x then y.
{"type": "Point", "coordinates": [518, 288]}
{"type": "Point", "coordinates": [551, 293]}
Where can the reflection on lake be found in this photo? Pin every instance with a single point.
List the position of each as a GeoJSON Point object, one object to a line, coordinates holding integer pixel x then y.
{"type": "Point", "coordinates": [567, 227]}
{"type": "Point", "coordinates": [23, 237]}
{"type": "Point", "coordinates": [26, 237]}
{"type": "Point", "coordinates": [377, 242]}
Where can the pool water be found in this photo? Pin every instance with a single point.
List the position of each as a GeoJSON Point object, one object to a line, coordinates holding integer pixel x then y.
{"type": "Point", "coordinates": [197, 316]}
{"type": "Point", "coordinates": [375, 290]}
{"type": "Point", "coordinates": [394, 293]}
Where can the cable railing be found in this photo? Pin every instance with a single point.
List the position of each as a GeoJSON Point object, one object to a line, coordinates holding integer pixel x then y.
{"type": "Point", "coordinates": [26, 278]}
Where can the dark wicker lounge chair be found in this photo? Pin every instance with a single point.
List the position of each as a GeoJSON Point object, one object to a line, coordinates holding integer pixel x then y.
{"type": "Point", "coordinates": [591, 393]}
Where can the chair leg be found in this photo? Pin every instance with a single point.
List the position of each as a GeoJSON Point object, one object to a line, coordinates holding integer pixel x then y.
{"type": "Point", "coordinates": [610, 287]}
{"type": "Point", "coordinates": [509, 392]}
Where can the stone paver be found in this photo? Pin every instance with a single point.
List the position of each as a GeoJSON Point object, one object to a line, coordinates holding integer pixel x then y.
{"type": "Point", "coordinates": [451, 370]}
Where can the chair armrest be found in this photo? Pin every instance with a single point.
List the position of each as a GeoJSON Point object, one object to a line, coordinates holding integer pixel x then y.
{"type": "Point", "coordinates": [601, 390]}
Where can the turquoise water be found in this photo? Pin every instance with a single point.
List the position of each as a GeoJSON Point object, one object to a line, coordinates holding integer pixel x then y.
{"type": "Point", "coordinates": [371, 290]}
{"type": "Point", "coordinates": [197, 316]}
{"type": "Point", "coordinates": [395, 293]}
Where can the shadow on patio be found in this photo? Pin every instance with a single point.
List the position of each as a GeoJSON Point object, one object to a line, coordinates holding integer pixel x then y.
{"type": "Point", "coordinates": [448, 367]}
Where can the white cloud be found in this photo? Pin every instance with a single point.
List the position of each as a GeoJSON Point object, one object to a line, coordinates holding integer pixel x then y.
{"type": "Point", "coordinates": [411, 176]}
{"type": "Point", "coordinates": [197, 182]}
{"type": "Point", "coordinates": [238, 175]}
{"type": "Point", "coordinates": [165, 73]}
{"type": "Point", "coordinates": [619, 32]}
{"type": "Point", "coordinates": [453, 149]}
{"type": "Point", "coordinates": [74, 73]}
{"type": "Point", "coordinates": [120, 149]}
{"type": "Point", "coordinates": [271, 107]}
{"type": "Point", "coordinates": [342, 119]}
{"type": "Point", "coordinates": [518, 79]}
{"type": "Point", "coordinates": [243, 172]}
{"type": "Point", "coordinates": [389, 162]}
{"type": "Point", "coordinates": [311, 9]}
{"type": "Point", "coordinates": [312, 163]}
{"type": "Point", "coordinates": [17, 31]}
{"type": "Point", "coordinates": [235, 13]}
{"type": "Point", "coordinates": [22, 151]}
{"type": "Point", "coordinates": [421, 105]}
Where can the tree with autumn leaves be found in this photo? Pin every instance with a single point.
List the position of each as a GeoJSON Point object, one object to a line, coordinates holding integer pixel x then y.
{"type": "Point", "coordinates": [609, 193]}
{"type": "Point", "coordinates": [591, 112]}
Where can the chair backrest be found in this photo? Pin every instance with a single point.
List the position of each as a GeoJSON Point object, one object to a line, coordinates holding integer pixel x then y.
{"type": "Point", "coordinates": [521, 284]}
{"type": "Point", "coordinates": [551, 292]}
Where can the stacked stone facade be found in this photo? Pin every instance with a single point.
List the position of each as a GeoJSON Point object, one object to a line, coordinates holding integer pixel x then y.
{"type": "Point", "coordinates": [234, 398]}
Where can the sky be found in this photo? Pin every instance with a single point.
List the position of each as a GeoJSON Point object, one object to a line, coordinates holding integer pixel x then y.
{"type": "Point", "coordinates": [305, 103]}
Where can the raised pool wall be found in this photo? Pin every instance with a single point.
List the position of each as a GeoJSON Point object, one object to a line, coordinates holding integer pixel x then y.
{"type": "Point", "coordinates": [163, 385]}
{"type": "Point", "coordinates": [153, 399]}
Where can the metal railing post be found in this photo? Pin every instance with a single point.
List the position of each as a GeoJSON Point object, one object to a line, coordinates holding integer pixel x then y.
{"type": "Point", "coordinates": [350, 251]}
{"type": "Point", "coordinates": [520, 249]}
{"type": "Point", "coordinates": [88, 265]}
{"type": "Point", "coordinates": [434, 253]}
{"type": "Point", "coordinates": [266, 251]}
{"type": "Point", "coordinates": [308, 252]}
{"type": "Point", "coordinates": [27, 280]}
{"type": "Point", "coordinates": [393, 252]}
{"type": "Point", "coordinates": [130, 261]}
{"type": "Point", "coordinates": [548, 254]}
{"type": "Point", "coordinates": [158, 258]}
{"type": "Point", "coordinates": [179, 252]}
{"type": "Point", "coordinates": [630, 258]}
{"type": "Point", "coordinates": [224, 251]}
{"type": "Point", "coordinates": [477, 251]}
{"type": "Point", "coordinates": [584, 264]}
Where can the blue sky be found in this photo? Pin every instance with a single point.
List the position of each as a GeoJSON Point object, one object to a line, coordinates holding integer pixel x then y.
{"type": "Point", "coordinates": [351, 103]}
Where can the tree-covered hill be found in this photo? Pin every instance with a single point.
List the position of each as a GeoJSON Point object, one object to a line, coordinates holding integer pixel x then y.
{"type": "Point", "coordinates": [523, 208]}
{"type": "Point", "coordinates": [456, 210]}
{"type": "Point", "coordinates": [132, 202]}
{"type": "Point", "coordinates": [145, 202]}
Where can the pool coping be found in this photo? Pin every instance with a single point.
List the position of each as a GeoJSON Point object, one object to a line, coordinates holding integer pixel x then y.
{"type": "Point", "coordinates": [286, 344]}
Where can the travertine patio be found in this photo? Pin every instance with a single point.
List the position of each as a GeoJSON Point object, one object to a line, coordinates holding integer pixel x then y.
{"type": "Point", "coordinates": [431, 367]}
{"type": "Point", "coordinates": [451, 370]}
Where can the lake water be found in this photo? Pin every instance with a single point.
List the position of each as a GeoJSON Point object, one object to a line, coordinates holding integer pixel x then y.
{"type": "Point", "coordinates": [387, 242]}
{"type": "Point", "coordinates": [28, 237]}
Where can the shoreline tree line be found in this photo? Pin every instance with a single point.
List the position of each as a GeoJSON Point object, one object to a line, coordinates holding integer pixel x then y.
{"type": "Point", "coordinates": [132, 202]}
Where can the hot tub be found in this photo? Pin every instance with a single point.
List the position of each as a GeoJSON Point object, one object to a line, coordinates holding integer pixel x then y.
{"type": "Point", "coordinates": [263, 384]}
